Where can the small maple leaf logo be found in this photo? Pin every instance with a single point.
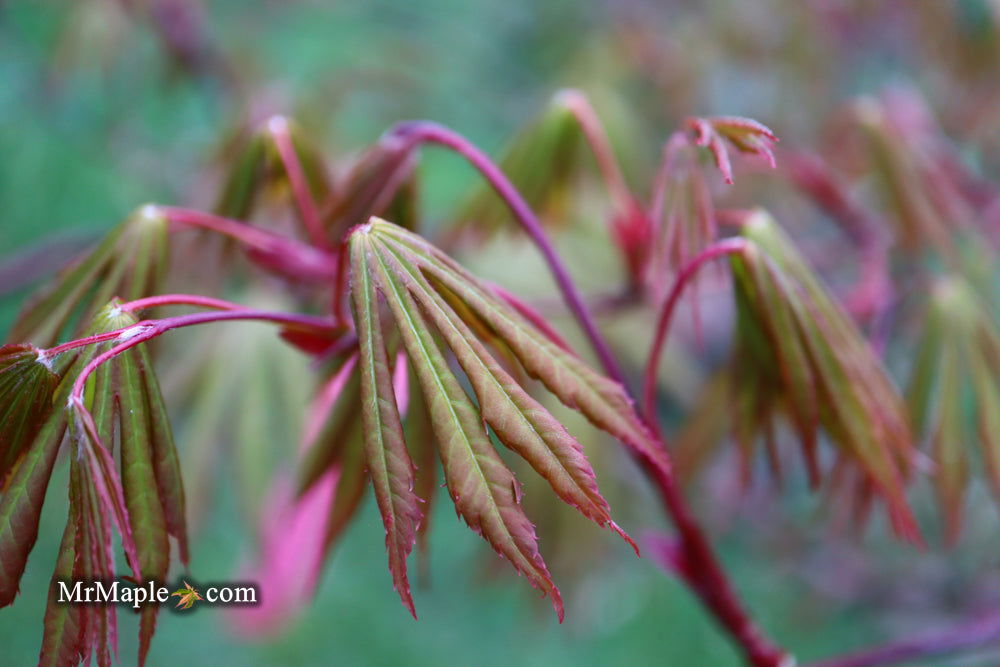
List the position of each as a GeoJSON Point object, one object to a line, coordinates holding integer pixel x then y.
{"type": "Point", "coordinates": [188, 596]}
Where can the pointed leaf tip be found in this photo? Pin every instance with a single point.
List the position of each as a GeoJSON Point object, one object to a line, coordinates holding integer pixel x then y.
{"type": "Point", "coordinates": [386, 457]}
{"type": "Point", "coordinates": [431, 299]}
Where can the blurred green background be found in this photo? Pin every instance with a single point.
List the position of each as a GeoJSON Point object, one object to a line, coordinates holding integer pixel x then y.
{"type": "Point", "coordinates": [102, 109]}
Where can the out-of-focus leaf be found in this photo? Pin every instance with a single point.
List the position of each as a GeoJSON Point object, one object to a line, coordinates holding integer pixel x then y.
{"type": "Point", "coordinates": [919, 208]}
{"type": "Point", "coordinates": [704, 428]}
{"type": "Point", "coordinates": [688, 223]}
{"type": "Point", "coordinates": [420, 438]}
{"type": "Point", "coordinates": [947, 444]}
{"type": "Point", "coordinates": [241, 185]}
{"type": "Point", "coordinates": [335, 406]}
{"type": "Point", "coordinates": [746, 134]}
{"type": "Point", "coordinates": [290, 556]}
{"type": "Point", "coordinates": [381, 181]}
{"type": "Point", "coordinates": [129, 263]}
{"type": "Point", "coordinates": [541, 162]}
{"type": "Point", "coordinates": [243, 395]}
{"type": "Point", "coordinates": [351, 483]}
{"type": "Point", "coordinates": [953, 381]}
{"type": "Point", "coordinates": [259, 170]}
{"type": "Point", "coordinates": [801, 355]}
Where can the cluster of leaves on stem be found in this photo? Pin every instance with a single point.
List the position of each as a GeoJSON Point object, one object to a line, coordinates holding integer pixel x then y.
{"type": "Point", "coordinates": [420, 362]}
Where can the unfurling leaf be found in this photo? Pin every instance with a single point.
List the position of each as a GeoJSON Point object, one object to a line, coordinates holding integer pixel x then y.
{"type": "Point", "coordinates": [430, 298]}
{"type": "Point", "coordinates": [130, 263]}
{"type": "Point", "coordinates": [24, 491]}
{"type": "Point", "coordinates": [746, 134]}
{"type": "Point", "coordinates": [682, 218]}
{"type": "Point", "coordinates": [797, 354]}
{"type": "Point", "coordinates": [688, 223]}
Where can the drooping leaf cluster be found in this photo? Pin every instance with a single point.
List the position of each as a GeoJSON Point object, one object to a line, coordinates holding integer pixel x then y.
{"type": "Point", "coordinates": [124, 477]}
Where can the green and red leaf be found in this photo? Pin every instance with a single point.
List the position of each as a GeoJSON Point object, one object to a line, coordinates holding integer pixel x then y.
{"type": "Point", "coordinates": [386, 457]}
{"type": "Point", "coordinates": [129, 263]}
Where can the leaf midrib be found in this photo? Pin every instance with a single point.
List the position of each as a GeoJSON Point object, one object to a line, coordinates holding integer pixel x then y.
{"type": "Point", "coordinates": [493, 503]}
{"type": "Point", "coordinates": [419, 279]}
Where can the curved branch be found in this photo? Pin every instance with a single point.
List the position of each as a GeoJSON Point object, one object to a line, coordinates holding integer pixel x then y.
{"type": "Point", "coordinates": [180, 300]}
{"type": "Point", "coordinates": [308, 212]}
{"type": "Point", "coordinates": [722, 248]}
{"type": "Point", "coordinates": [279, 253]}
{"type": "Point", "coordinates": [708, 580]}
{"type": "Point", "coordinates": [965, 638]}
{"type": "Point", "coordinates": [597, 138]}
{"type": "Point", "coordinates": [419, 132]}
{"type": "Point", "coordinates": [139, 332]}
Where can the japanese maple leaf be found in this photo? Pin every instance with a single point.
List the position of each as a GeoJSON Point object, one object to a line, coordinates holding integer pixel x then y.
{"type": "Point", "coordinates": [188, 596]}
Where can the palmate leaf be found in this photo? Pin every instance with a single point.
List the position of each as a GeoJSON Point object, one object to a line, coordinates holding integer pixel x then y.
{"type": "Point", "coordinates": [420, 286]}
{"type": "Point", "coordinates": [242, 398]}
{"type": "Point", "coordinates": [745, 134]}
{"type": "Point", "coordinates": [129, 263]}
{"type": "Point", "coordinates": [24, 492]}
{"type": "Point", "coordinates": [798, 352]}
{"type": "Point", "coordinates": [388, 462]}
{"type": "Point", "coordinates": [959, 340]}
{"type": "Point", "coordinates": [924, 202]}
{"type": "Point", "coordinates": [380, 181]}
{"type": "Point", "coordinates": [30, 434]}
{"type": "Point", "coordinates": [541, 161]}
{"type": "Point", "coordinates": [259, 169]}
{"type": "Point", "coordinates": [604, 402]}
{"type": "Point", "coordinates": [27, 385]}
{"type": "Point", "coordinates": [143, 500]}
{"type": "Point", "coordinates": [483, 489]}
{"type": "Point", "coordinates": [519, 420]}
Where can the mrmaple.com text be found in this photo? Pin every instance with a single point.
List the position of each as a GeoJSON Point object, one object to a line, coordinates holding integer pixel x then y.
{"type": "Point", "coordinates": [115, 592]}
